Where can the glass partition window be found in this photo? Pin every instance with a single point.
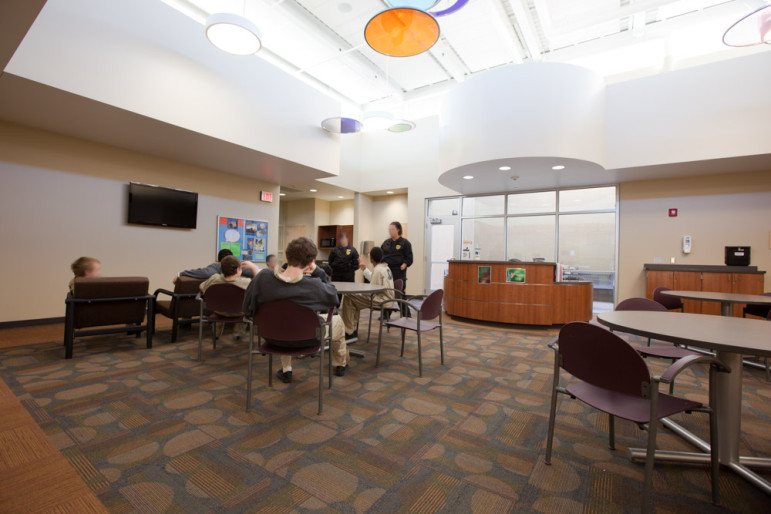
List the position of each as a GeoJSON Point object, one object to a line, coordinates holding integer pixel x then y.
{"type": "Point", "coordinates": [532, 203]}
{"type": "Point", "coordinates": [485, 234]}
{"type": "Point", "coordinates": [531, 238]}
{"type": "Point", "coordinates": [483, 206]}
{"type": "Point", "coordinates": [440, 207]}
{"type": "Point", "coordinates": [593, 199]}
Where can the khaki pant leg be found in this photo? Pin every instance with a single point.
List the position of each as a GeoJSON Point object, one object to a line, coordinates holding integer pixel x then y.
{"type": "Point", "coordinates": [352, 307]}
{"type": "Point", "coordinates": [339, 349]}
{"type": "Point", "coordinates": [286, 362]}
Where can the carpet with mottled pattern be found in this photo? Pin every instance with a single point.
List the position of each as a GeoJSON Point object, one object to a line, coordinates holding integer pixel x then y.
{"type": "Point", "coordinates": [157, 431]}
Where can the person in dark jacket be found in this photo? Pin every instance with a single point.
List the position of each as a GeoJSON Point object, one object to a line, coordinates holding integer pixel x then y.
{"type": "Point", "coordinates": [213, 269]}
{"type": "Point", "coordinates": [397, 254]}
{"type": "Point", "coordinates": [344, 260]}
{"type": "Point", "coordinates": [305, 284]}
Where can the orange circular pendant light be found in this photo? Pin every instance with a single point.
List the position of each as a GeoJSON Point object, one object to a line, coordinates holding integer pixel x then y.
{"type": "Point", "coordinates": [402, 32]}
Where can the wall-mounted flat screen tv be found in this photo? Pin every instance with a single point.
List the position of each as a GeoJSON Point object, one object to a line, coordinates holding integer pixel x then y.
{"type": "Point", "coordinates": [155, 205]}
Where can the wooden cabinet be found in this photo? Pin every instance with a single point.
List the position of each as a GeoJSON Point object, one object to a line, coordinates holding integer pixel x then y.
{"type": "Point", "coordinates": [329, 235]}
{"type": "Point", "coordinates": [711, 278]}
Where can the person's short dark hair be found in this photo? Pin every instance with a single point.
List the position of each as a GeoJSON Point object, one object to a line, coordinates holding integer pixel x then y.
{"type": "Point", "coordinates": [398, 227]}
{"type": "Point", "coordinates": [376, 254]}
{"type": "Point", "coordinates": [300, 252]}
{"type": "Point", "coordinates": [269, 257]}
{"type": "Point", "coordinates": [285, 266]}
{"type": "Point", "coordinates": [327, 269]}
{"type": "Point", "coordinates": [230, 265]}
{"type": "Point", "coordinates": [223, 253]}
{"type": "Point", "coordinates": [83, 264]}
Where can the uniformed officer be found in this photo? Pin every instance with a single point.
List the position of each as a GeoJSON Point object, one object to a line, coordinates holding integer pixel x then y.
{"type": "Point", "coordinates": [397, 252]}
{"type": "Point", "coordinates": [344, 260]}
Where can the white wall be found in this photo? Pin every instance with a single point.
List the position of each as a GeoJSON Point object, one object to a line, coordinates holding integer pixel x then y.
{"type": "Point", "coordinates": [61, 198]}
{"type": "Point", "coordinates": [715, 210]}
{"type": "Point", "coordinates": [143, 56]}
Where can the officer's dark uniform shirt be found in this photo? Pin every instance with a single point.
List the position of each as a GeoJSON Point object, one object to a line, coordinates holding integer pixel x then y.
{"type": "Point", "coordinates": [344, 261]}
{"type": "Point", "coordinates": [395, 253]}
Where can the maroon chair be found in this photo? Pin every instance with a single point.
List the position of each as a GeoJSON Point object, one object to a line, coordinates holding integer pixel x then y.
{"type": "Point", "coordinates": [385, 308]}
{"type": "Point", "coordinates": [662, 352]}
{"type": "Point", "coordinates": [762, 311]}
{"type": "Point", "coordinates": [613, 378]}
{"type": "Point", "coordinates": [116, 304]}
{"type": "Point", "coordinates": [221, 298]}
{"type": "Point", "coordinates": [430, 310]}
{"type": "Point", "coordinates": [182, 305]}
{"type": "Point", "coordinates": [669, 302]}
{"type": "Point", "coordinates": [285, 328]}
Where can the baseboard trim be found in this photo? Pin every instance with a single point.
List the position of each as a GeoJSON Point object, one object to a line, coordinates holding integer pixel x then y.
{"type": "Point", "coordinates": [31, 322]}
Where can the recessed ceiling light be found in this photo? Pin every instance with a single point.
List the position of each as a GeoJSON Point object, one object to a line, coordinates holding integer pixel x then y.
{"type": "Point", "coordinates": [341, 197]}
{"type": "Point", "coordinates": [505, 168]}
{"type": "Point", "coordinates": [314, 190]}
{"type": "Point", "coordinates": [282, 194]}
{"type": "Point", "coordinates": [558, 167]}
{"type": "Point", "coordinates": [389, 192]}
{"type": "Point", "coordinates": [468, 177]}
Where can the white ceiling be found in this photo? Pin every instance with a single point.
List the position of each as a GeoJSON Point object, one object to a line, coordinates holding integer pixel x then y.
{"type": "Point", "coordinates": [322, 41]}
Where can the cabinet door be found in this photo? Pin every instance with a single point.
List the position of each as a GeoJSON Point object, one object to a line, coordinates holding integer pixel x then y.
{"type": "Point", "coordinates": [689, 281]}
{"type": "Point", "coordinates": [715, 282]}
{"type": "Point", "coordinates": [654, 279]}
{"type": "Point", "coordinates": [745, 283]}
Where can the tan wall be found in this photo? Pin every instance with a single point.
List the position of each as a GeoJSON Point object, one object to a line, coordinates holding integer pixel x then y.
{"type": "Point", "coordinates": [715, 210]}
{"type": "Point", "coordinates": [341, 213]}
{"type": "Point", "coordinates": [61, 198]}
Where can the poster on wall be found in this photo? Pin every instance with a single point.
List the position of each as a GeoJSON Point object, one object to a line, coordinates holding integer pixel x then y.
{"type": "Point", "coordinates": [247, 239]}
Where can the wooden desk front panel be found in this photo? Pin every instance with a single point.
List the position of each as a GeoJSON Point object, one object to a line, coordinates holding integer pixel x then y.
{"type": "Point", "coordinates": [534, 273]}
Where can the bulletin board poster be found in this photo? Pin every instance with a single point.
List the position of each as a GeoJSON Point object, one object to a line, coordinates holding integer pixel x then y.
{"type": "Point", "coordinates": [247, 239]}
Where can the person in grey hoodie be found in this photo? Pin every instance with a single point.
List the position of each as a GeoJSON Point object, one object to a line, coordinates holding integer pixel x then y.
{"type": "Point", "coordinates": [304, 284]}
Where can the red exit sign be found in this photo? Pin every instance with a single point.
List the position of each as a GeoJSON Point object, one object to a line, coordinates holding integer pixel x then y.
{"type": "Point", "coordinates": [266, 196]}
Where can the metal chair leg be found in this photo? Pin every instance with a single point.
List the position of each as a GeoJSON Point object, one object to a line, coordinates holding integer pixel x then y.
{"type": "Point", "coordinates": [552, 408]}
{"type": "Point", "coordinates": [441, 341]}
{"type": "Point", "coordinates": [612, 432]}
{"type": "Point", "coordinates": [420, 355]}
{"type": "Point", "coordinates": [379, 342]}
{"type": "Point", "coordinates": [713, 437]}
{"type": "Point", "coordinates": [651, 451]}
{"type": "Point", "coordinates": [402, 353]}
{"type": "Point", "coordinates": [249, 372]}
{"type": "Point", "coordinates": [321, 371]}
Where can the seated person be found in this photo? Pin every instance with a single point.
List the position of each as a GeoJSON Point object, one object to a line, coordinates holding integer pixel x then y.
{"type": "Point", "coordinates": [231, 274]}
{"type": "Point", "coordinates": [212, 269]}
{"type": "Point", "coordinates": [85, 267]}
{"type": "Point", "coordinates": [271, 261]}
{"type": "Point", "coordinates": [327, 269]}
{"type": "Point", "coordinates": [304, 284]}
{"type": "Point", "coordinates": [354, 303]}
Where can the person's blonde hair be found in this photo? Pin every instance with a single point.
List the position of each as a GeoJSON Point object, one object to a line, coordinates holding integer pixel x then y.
{"type": "Point", "coordinates": [83, 264]}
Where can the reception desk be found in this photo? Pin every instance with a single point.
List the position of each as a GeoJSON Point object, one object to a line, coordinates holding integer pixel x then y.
{"type": "Point", "coordinates": [470, 292]}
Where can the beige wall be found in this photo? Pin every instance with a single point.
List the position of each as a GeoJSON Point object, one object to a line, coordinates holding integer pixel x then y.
{"type": "Point", "coordinates": [715, 210]}
{"type": "Point", "coordinates": [61, 198]}
{"type": "Point", "coordinates": [341, 212]}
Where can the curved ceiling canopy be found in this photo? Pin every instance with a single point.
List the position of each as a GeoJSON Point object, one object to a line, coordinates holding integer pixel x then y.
{"type": "Point", "coordinates": [401, 32]}
{"type": "Point", "coordinates": [233, 34]}
{"type": "Point", "coordinates": [341, 125]}
{"type": "Point", "coordinates": [753, 29]}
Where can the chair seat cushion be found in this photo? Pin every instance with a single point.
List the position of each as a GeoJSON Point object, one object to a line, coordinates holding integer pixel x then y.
{"type": "Point", "coordinates": [664, 352]}
{"type": "Point", "coordinates": [283, 350]}
{"type": "Point", "coordinates": [412, 324]}
{"type": "Point", "coordinates": [633, 408]}
{"type": "Point", "coordinates": [163, 307]}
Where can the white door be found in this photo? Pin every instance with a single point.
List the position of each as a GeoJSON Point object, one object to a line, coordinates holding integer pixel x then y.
{"type": "Point", "coordinates": [442, 240]}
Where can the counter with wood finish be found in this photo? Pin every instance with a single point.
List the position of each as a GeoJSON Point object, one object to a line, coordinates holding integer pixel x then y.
{"type": "Point", "coordinates": [539, 300]}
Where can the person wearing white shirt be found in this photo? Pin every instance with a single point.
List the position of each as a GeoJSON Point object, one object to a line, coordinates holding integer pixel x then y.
{"type": "Point", "coordinates": [353, 303]}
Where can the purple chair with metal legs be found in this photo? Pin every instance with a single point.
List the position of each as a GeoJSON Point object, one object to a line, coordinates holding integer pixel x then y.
{"type": "Point", "coordinates": [613, 378]}
{"type": "Point", "coordinates": [669, 302]}
{"type": "Point", "coordinates": [285, 328]}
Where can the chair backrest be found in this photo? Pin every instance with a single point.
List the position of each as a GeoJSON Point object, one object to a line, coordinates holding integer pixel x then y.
{"type": "Point", "coordinates": [109, 313]}
{"type": "Point", "coordinates": [188, 307]}
{"type": "Point", "coordinates": [284, 320]}
{"type": "Point", "coordinates": [640, 304]}
{"type": "Point", "coordinates": [432, 305]}
{"type": "Point", "coordinates": [224, 298]}
{"type": "Point", "coordinates": [670, 302]}
{"type": "Point", "coordinates": [399, 286]}
{"type": "Point", "coordinates": [601, 358]}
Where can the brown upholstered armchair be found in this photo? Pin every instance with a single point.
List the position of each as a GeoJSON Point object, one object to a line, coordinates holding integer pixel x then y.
{"type": "Point", "coordinates": [182, 304]}
{"type": "Point", "coordinates": [105, 302]}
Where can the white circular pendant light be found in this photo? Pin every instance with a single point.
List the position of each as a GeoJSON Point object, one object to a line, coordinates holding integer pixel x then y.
{"type": "Point", "coordinates": [233, 34]}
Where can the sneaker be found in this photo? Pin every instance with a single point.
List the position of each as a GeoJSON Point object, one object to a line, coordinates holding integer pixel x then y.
{"type": "Point", "coordinates": [340, 370]}
{"type": "Point", "coordinates": [352, 335]}
{"type": "Point", "coordinates": [284, 377]}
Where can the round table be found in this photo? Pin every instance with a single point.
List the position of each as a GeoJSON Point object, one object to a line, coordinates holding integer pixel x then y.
{"type": "Point", "coordinates": [356, 288]}
{"type": "Point", "coordinates": [727, 300]}
{"type": "Point", "coordinates": [730, 337]}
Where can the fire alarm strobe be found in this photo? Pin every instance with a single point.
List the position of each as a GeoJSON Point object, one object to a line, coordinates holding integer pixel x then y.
{"type": "Point", "coordinates": [672, 213]}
